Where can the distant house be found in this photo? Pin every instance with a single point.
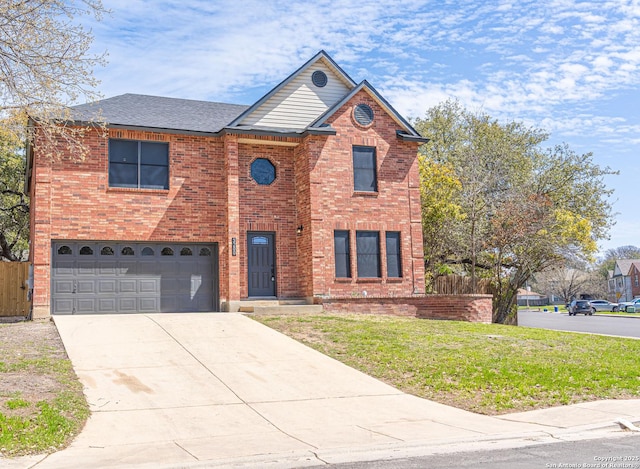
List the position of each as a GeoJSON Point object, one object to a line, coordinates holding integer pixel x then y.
{"type": "Point", "coordinates": [530, 298]}
{"type": "Point", "coordinates": [624, 283]}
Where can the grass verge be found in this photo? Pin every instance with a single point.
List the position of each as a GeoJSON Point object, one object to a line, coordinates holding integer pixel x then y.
{"type": "Point", "coordinates": [485, 368]}
{"type": "Point", "coordinates": [42, 406]}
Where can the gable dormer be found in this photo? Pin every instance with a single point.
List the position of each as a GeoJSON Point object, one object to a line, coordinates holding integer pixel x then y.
{"type": "Point", "coordinates": [301, 98]}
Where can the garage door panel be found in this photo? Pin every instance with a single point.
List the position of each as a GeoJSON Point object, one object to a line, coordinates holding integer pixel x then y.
{"type": "Point", "coordinates": [127, 285]}
{"type": "Point", "coordinates": [86, 267]}
{"type": "Point", "coordinates": [86, 280]}
{"type": "Point", "coordinates": [63, 286]}
{"type": "Point", "coordinates": [107, 285]}
{"type": "Point", "coordinates": [86, 305]}
{"type": "Point", "coordinates": [127, 268]}
{"type": "Point", "coordinates": [86, 286]}
{"type": "Point", "coordinates": [149, 267]}
{"type": "Point", "coordinates": [64, 268]}
{"type": "Point", "coordinates": [63, 305]}
{"type": "Point", "coordinates": [107, 305]}
{"type": "Point", "coordinates": [107, 268]}
{"type": "Point", "coordinates": [149, 304]}
{"type": "Point", "coordinates": [127, 305]}
{"type": "Point", "coordinates": [148, 285]}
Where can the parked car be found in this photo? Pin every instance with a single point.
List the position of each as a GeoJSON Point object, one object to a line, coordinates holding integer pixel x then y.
{"type": "Point", "coordinates": [625, 304]}
{"type": "Point", "coordinates": [581, 306]}
{"type": "Point", "coordinates": [604, 305]}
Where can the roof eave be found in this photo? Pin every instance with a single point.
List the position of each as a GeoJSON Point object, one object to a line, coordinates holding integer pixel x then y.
{"type": "Point", "coordinates": [411, 138]}
{"type": "Point", "coordinates": [365, 85]}
{"type": "Point", "coordinates": [273, 132]}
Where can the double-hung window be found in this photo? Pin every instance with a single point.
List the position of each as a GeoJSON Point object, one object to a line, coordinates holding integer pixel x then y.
{"type": "Point", "coordinates": [368, 254]}
{"type": "Point", "coordinates": [364, 169]}
{"type": "Point", "coordinates": [394, 265]}
{"type": "Point", "coordinates": [138, 164]}
{"type": "Point", "coordinates": [342, 254]}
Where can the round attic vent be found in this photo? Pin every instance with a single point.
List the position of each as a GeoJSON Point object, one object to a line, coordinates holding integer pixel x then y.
{"type": "Point", "coordinates": [363, 114]}
{"type": "Point", "coordinates": [319, 78]}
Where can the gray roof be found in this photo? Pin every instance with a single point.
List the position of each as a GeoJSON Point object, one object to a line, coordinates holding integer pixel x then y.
{"type": "Point", "coordinates": [155, 112]}
{"type": "Point", "coordinates": [625, 265]}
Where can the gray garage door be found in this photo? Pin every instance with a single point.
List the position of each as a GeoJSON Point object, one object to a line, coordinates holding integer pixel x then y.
{"type": "Point", "coordinates": [121, 277]}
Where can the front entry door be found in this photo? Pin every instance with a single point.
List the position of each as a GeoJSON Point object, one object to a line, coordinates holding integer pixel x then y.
{"type": "Point", "coordinates": [262, 274]}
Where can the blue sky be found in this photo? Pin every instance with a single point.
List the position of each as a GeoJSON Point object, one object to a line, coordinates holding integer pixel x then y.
{"type": "Point", "coordinates": [569, 67]}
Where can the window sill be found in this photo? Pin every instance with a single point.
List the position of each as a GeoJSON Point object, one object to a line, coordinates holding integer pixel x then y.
{"type": "Point", "coordinates": [369, 280]}
{"type": "Point", "coordinates": [365, 194]}
{"type": "Point", "coordinates": [137, 189]}
{"type": "Point", "coordinates": [395, 279]}
{"type": "Point", "coordinates": [343, 280]}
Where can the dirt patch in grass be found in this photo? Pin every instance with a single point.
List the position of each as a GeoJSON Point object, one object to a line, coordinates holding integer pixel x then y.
{"type": "Point", "coordinates": [41, 402]}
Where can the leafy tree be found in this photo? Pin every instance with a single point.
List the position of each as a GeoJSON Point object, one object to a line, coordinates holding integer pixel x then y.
{"type": "Point", "coordinates": [608, 262]}
{"type": "Point", "coordinates": [570, 281]}
{"type": "Point", "coordinates": [522, 209]}
{"type": "Point", "coordinates": [14, 205]}
{"type": "Point", "coordinates": [45, 65]}
{"type": "Point", "coordinates": [439, 213]}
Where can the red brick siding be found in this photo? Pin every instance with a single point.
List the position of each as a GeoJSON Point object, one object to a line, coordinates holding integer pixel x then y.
{"type": "Point", "coordinates": [634, 278]}
{"type": "Point", "coordinates": [394, 207]}
{"type": "Point", "coordinates": [73, 201]}
{"type": "Point", "coordinates": [471, 308]}
{"type": "Point", "coordinates": [270, 208]}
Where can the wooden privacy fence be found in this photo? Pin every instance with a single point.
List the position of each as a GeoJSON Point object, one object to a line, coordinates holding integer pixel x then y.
{"type": "Point", "coordinates": [13, 289]}
{"type": "Point", "coordinates": [460, 285]}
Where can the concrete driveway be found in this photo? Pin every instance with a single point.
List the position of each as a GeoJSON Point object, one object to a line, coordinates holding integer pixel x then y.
{"type": "Point", "coordinates": [208, 390]}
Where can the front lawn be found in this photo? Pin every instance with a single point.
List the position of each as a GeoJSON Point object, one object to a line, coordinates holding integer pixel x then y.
{"type": "Point", "coordinates": [41, 402]}
{"type": "Point", "coordinates": [485, 368]}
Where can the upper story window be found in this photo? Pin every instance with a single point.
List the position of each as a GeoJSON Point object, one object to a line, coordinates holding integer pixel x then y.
{"type": "Point", "coordinates": [263, 171]}
{"type": "Point", "coordinates": [142, 165]}
{"type": "Point", "coordinates": [364, 169]}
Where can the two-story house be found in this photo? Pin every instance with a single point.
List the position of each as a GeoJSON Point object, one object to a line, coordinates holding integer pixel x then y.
{"type": "Point", "coordinates": [624, 282]}
{"type": "Point", "coordinates": [310, 193]}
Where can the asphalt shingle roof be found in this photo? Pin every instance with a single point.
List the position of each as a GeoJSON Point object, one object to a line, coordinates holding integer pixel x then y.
{"type": "Point", "coordinates": [161, 113]}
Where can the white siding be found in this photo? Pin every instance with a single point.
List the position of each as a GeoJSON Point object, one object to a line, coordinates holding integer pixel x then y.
{"type": "Point", "coordinates": [300, 102]}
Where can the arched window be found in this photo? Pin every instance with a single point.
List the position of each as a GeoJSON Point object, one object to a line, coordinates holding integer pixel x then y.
{"type": "Point", "coordinates": [64, 250]}
{"type": "Point", "coordinates": [86, 251]}
{"type": "Point", "coordinates": [147, 251]}
{"type": "Point", "coordinates": [107, 251]}
{"type": "Point", "coordinates": [205, 251]}
{"type": "Point", "coordinates": [186, 252]}
{"type": "Point", "coordinates": [166, 252]}
{"type": "Point", "coordinates": [127, 251]}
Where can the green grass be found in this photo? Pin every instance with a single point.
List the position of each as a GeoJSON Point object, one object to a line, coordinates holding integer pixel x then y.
{"type": "Point", "coordinates": [484, 368]}
{"type": "Point", "coordinates": [42, 406]}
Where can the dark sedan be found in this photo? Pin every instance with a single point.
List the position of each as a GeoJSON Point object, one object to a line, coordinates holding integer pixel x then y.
{"type": "Point", "coordinates": [581, 307]}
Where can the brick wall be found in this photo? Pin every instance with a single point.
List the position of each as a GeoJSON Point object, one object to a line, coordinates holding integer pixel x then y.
{"type": "Point", "coordinates": [471, 308]}
{"type": "Point", "coordinates": [73, 201]}
{"type": "Point", "coordinates": [394, 207]}
{"type": "Point", "coordinates": [270, 208]}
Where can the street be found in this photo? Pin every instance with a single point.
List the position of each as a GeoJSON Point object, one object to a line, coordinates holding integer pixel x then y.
{"type": "Point", "coordinates": [598, 323]}
{"type": "Point", "coordinates": [618, 452]}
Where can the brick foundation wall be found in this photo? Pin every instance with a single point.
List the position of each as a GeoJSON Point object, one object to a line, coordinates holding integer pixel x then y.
{"type": "Point", "coordinates": [470, 308]}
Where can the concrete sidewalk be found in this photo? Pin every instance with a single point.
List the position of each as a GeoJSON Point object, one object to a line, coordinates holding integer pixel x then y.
{"type": "Point", "coordinates": [221, 390]}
